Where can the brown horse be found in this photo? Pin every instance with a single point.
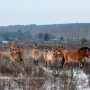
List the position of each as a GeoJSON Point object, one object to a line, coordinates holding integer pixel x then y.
{"type": "Point", "coordinates": [16, 53]}
{"type": "Point", "coordinates": [49, 56]}
{"type": "Point", "coordinates": [76, 55]}
{"type": "Point", "coordinates": [84, 51]}
{"type": "Point", "coordinates": [35, 54]}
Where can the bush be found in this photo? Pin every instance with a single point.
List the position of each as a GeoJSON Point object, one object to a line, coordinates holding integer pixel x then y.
{"type": "Point", "coordinates": [83, 40]}
{"type": "Point", "coordinates": [46, 37]}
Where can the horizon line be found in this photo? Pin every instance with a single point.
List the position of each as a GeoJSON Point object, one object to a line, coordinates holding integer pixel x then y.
{"type": "Point", "coordinates": [44, 24]}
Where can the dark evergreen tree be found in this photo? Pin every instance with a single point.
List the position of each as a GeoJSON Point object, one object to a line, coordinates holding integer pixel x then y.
{"type": "Point", "coordinates": [46, 37]}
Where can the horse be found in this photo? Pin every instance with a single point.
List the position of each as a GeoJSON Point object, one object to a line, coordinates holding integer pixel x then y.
{"type": "Point", "coordinates": [16, 53]}
{"type": "Point", "coordinates": [35, 54]}
{"type": "Point", "coordinates": [84, 51]}
{"type": "Point", "coordinates": [49, 56]}
{"type": "Point", "coordinates": [20, 53]}
{"type": "Point", "coordinates": [60, 57]}
{"type": "Point", "coordinates": [75, 55]}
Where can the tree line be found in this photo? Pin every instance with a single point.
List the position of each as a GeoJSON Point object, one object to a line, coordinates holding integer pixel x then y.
{"type": "Point", "coordinates": [63, 32]}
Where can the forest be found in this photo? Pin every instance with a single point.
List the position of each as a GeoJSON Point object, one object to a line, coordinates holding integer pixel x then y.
{"type": "Point", "coordinates": [62, 32]}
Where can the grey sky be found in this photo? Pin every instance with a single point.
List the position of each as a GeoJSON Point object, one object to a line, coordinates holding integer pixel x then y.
{"type": "Point", "coordinates": [44, 11]}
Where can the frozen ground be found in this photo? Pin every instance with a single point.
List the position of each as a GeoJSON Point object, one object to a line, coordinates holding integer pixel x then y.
{"type": "Point", "coordinates": [47, 78]}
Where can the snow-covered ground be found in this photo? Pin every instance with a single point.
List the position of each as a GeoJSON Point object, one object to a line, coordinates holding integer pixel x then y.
{"type": "Point", "coordinates": [63, 79]}
{"type": "Point", "coordinates": [77, 77]}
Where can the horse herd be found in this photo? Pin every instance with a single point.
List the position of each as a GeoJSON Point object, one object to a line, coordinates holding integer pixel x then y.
{"type": "Point", "coordinates": [62, 55]}
{"type": "Point", "coordinates": [50, 55]}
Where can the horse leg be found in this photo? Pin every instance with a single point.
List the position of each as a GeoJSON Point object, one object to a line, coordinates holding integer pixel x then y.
{"type": "Point", "coordinates": [65, 60]}
{"type": "Point", "coordinates": [85, 62]}
{"type": "Point", "coordinates": [21, 61]}
{"type": "Point", "coordinates": [37, 62]}
{"type": "Point", "coordinates": [46, 63]}
{"type": "Point", "coordinates": [49, 62]}
{"type": "Point", "coordinates": [52, 62]}
{"type": "Point", "coordinates": [80, 63]}
{"type": "Point", "coordinates": [62, 62]}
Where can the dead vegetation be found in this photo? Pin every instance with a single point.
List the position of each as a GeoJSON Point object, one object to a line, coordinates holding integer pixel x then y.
{"type": "Point", "coordinates": [27, 76]}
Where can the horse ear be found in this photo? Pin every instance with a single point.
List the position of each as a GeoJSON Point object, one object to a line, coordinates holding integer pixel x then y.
{"type": "Point", "coordinates": [61, 46]}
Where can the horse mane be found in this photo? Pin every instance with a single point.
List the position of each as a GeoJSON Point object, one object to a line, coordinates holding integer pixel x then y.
{"type": "Point", "coordinates": [83, 48]}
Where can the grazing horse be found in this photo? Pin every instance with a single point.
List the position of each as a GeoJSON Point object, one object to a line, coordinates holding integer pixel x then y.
{"type": "Point", "coordinates": [16, 53]}
{"type": "Point", "coordinates": [35, 54]}
{"type": "Point", "coordinates": [75, 55]}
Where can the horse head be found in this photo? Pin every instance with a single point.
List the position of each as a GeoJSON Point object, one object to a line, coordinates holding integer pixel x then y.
{"type": "Point", "coordinates": [85, 51]}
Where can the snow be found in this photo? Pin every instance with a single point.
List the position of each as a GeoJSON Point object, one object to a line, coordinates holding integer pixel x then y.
{"type": "Point", "coordinates": [72, 76]}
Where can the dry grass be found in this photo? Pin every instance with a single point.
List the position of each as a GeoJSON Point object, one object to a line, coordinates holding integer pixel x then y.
{"type": "Point", "coordinates": [35, 77]}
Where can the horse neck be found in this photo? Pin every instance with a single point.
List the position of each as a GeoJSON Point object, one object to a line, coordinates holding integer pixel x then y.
{"type": "Point", "coordinates": [35, 49]}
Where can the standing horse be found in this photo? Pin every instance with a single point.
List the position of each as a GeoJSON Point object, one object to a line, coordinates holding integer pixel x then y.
{"type": "Point", "coordinates": [20, 53]}
{"type": "Point", "coordinates": [16, 53]}
{"type": "Point", "coordinates": [49, 56]}
{"type": "Point", "coordinates": [35, 54]}
{"type": "Point", "coordinates": [75, 55]}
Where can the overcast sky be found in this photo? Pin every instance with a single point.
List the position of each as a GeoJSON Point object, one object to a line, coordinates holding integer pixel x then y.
{"type": "Point", "coordinates": [44, 11]}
